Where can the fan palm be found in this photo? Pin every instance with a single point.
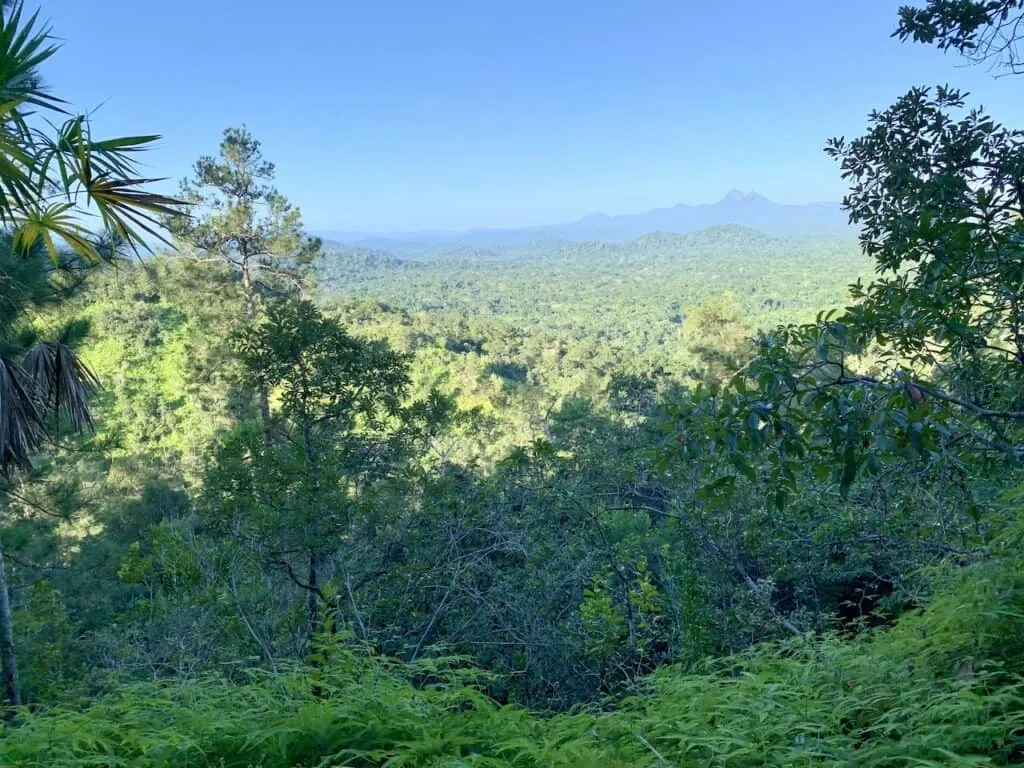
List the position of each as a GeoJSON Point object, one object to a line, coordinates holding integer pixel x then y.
{"type": "Point", "coordinates": [56, 179]}
{"type": "Point", "coordinates": [59, 187]}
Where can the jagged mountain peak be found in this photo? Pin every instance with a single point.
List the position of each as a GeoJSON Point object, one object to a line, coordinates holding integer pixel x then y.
{"type": "Point", "coordinates": [739, 196]}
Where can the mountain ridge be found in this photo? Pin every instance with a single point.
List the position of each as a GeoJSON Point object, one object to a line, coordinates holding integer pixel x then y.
{"type": "Point", "coordinates": [735, 208]}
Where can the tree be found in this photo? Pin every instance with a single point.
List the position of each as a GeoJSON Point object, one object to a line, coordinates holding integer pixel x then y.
{"type": "Point", "coordinates": [982, 30]}
{"type": "Point", "coordinates": [242, 220]}
{"type": "Point", "coordinates": [937, 190]}
{"type": "Point", "coordinates": [53, 188]}
{"type": "Point", "coordinates": [344, 424]}
{"type": "Point", "coordinates": [916, 390]}
{"type": "Point", "coordinates": [718, 338]}
{"type": "Point", "coordinates": [929, 358]}
{"type": "Point", "coordinates": [60, 189]}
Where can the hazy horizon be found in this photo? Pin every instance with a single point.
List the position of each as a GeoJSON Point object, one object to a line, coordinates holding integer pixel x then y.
{"type": "Point", "coordinates": [543, 223]}
{"type": "Point", "coordinates": [399, 116]}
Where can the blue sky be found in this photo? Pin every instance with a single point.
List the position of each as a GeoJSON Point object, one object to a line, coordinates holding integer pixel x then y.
{"type": "Point", "coordinates": [389, 115]}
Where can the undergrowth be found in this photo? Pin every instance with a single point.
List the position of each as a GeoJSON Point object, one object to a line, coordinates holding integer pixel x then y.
{"type": "Point", "coordinates": [943, 687]}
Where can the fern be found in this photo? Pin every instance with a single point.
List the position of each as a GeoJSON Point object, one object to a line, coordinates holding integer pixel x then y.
{"type": "Point", "coordinates": [941, 688]}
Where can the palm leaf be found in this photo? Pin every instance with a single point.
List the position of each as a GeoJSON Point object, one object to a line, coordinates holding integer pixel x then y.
{"type": "Point", "coordinates": [63, 381]}
{"type": "Point", "coordinates": [42, 224]}
{"type": "Point", "coordinates": [24, 46]}
{"type": "Point", "coordinates": [105, 172]}
{"type": "Point", "coordinates": [114, 156]}
{"type": "Point", "coordinates": [16, 187]}
{"type": "Point", "coordinates": [22, 416]}
{"type": "Point", "coordinates": [38, 168]}
{"type": "Point", "coordinates": [80, 160]}
{"type": "Point", "coordinates": [129, 210]}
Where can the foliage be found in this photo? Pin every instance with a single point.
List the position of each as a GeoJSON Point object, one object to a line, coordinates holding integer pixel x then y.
{"type": "Point", "coordinates": [632, 536]}
{"type": "Point", "coordinates": [925, 366]}
{"type": "Point", "coordinates": [942, 689]}
{"type": "Point", "coordinates": [57, 181]}
{"type": "Point", "coordinates": [38, 379]}
{"type": "Point", "coordinates": [54, 182]}
{"type": "Point", "coordinates": [341, 423]}
{"type": "Point", "coordinates": [634, 299]}
{"type": "Point", "coordinates": [238, 217]}
{"type": "Point", "coordinates": [947, 245]}
{"type": "Point", "coordinates": [983, 30]}
{"type": "Point", "coordinates": [491, 556]}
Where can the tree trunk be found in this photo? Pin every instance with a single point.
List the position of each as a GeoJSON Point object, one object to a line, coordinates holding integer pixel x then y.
{"type": "Point", "coordinates": [249, 291]}
{"type": "Point", "coordinates": [317, 659]}
{"type": "Point", "coordinates": [314, 622]}
{"type": "Point", "coordinates": [265, 414]}
{"type": "Point", "coordinates": [250, 312]}
{"type": "Point", "coordinates": [313, 597]}
{"type": "Point", "coordinates": [8, 663]}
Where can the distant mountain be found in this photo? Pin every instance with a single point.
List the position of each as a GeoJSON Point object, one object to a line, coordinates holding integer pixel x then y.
{"type": "Point", "coordinates": [746, 209]}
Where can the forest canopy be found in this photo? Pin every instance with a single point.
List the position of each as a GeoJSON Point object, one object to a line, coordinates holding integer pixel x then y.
{"type": "Point", "coordinates": [718, 498]}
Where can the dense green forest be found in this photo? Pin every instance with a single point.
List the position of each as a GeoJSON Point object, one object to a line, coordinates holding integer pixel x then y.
{"type": "Point", "coordinates": [715, 499]}
{"type": "Point", "coordinates": [633, 296]}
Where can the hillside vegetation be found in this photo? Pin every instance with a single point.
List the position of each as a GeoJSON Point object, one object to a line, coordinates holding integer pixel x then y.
{"type": "Point", "coordinates": [715, 499]}
{"type": "Point", "coordinates": [633, 296]}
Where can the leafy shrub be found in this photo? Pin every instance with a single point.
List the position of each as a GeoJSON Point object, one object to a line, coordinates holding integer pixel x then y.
{"type": "Point", "coordinates": [940, 688]}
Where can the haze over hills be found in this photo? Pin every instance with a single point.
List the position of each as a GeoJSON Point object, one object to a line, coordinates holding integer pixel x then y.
{"type": "Point", "coordinates": [746, 209]}
{"type": "Point", "coordinates": [634, 294]}
{"type": "Point", "coordinates": [715, 242]}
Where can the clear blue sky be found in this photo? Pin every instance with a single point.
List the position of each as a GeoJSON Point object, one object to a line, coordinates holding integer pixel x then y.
{"type": "Point", "coordinates": [402, 114]}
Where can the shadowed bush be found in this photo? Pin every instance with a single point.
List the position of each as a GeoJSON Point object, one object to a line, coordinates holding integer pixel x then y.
{"type": "Point", "coordinates": [940, 688]}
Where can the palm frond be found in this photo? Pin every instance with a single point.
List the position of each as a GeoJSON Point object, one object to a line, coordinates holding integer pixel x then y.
{"type": "Point", "coordinates": [42, 224]}
{"type": "Point", "coordinates": [128, 210]}
{"type": "Point", "coordinates": [22, 416]}
{"type": "Point", "coordinates": [64, 382]}
{"type": "Point", "coordinates": [24, 46]}
{"type": "Point", "coordinates": [104, 171]}
{"type": "Point", "coordinates": [16, 187]}
{"type": "Point", "coordinates": [115, 155]}
{"type": "Point", "coordinates": [53, 179]}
